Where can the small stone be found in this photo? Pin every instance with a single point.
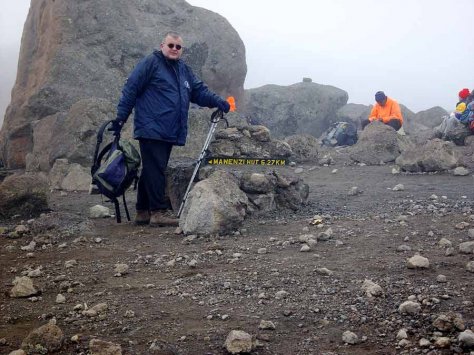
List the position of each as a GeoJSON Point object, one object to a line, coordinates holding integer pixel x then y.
{"type": "Point", "coordinates": [350, 337]}
{"type": "Point", "coordinates": [424, 343]}
{"type": "Point", "coordinates": [443, 342]}
{"type": "Point", "coordinates": [371, 288]}
{"type": "Point", "coordinates": [403, 248]}
{"type": "Point", "coordinates": [418, 262]}
{"type": "Point", "coordinates": [60, 299]}
{"type": "Point", "coordinates": [70, 263]}
{"type": "Point", "coordinates": [238, 341]}
{"type": "Point", "coordinates": [192, 263]}
{"type": "Point", "coordinates": [23, 287]}
{"type": "Point", "coordinates": [266, 325]}
{"type": "Point", "coordinates": [121, 269]}
{"type": "Point", "coordinates": [470, 266]}
{"type": "Point", "coordinates": [409, 307]}
{"type": "Point", "coordinates": [262, 251]}
{"type": "Point", "coordinates": [402, 334]}
{"type": "Point", "coordinates": [354, 190]}
{"type": "Point", "coordinates": [461, 171]}
{"type": "Point", "coordinates": [399, 187]}
{"type": "Point", "coordinates": [305, 248]}
{"type": "Point", "coordinates": [444, 243]}
{"type": "Point", "coordinates": [441, 279]}
{"type": "Point", "coordinates": [466, 248]}
{"type": "Point", "coordinates": [99, 211]}
{"type": "Point", "coordinates": [101, 347]}
{"type": "Point", "coordinates": [466, 338]}
{"type": "Point", "coordinates": [281, 294]}
{"type": "Point", "coordinates": [324, 271]}
{"type": "Point", "coordinates": [129, 314]}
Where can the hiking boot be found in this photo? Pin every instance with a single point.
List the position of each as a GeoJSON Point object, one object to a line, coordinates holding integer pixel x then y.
{"type": "Point", "coordinates": [142, 217]}
{"type": "Point", "coordinates": [160, 219]}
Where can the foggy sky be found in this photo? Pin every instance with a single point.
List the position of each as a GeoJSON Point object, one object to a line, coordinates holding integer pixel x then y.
{"type": "Point", "coordinates": [419, 52]}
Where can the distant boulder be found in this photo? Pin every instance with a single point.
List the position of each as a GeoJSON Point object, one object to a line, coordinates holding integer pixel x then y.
{"type": "Point", "coordinates": [299, 108]}
{"type": "Point", "coordinates": [354, 113]}
{"type": "Point", "coordinates": [76, 50]}
{"type": "Point", "coordinates": [431, 117]}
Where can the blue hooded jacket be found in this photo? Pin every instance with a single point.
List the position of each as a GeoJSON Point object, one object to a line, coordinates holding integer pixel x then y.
{"type": "Point", "coordinates": [160, 90]}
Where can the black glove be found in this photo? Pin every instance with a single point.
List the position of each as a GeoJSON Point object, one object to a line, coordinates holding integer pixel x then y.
{"type": "Point", "coordinates": [223, 105]}
{"type": "Point", "coordinates": [116, 126]}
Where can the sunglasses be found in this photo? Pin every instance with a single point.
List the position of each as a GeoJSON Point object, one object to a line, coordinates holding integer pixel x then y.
{"type": "Point", "coordinates": [172, 45]}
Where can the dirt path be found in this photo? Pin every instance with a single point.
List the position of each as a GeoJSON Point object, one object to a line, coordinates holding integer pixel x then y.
{"type": "Point", "coordinates": [191, 293]}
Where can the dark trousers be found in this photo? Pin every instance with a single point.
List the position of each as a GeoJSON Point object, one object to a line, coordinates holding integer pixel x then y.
{"type": "Point", "coordinates": [394, 123]}
{"type": "Point", "coordinates": [152, 183]}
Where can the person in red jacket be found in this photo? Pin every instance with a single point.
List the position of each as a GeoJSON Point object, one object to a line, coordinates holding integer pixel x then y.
{"type": "Point", "coordinates": [386, 110]}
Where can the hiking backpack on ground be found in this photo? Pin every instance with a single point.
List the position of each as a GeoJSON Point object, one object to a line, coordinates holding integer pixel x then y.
{"type": "Point", "coordinates": [115, 169]}
{"type": "Point", "coordinates": [340, 133]}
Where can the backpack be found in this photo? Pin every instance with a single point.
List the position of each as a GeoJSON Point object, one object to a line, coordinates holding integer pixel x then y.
{"type": "Point", "coordinates": [115, 168]}
{"type": "Point", "coordinates": [340, 133]}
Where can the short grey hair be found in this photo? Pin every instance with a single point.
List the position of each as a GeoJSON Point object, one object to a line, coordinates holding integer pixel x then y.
{"type": "Point", "coordinates": [173, 34]}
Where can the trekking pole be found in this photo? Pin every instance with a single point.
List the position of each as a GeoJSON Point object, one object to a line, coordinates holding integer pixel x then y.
{"type": "Point", "coordinates": [215, 118]}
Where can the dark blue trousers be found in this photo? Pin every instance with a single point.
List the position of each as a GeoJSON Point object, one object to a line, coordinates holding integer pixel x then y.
{"type": "Point", "coordinates": [152, 183]}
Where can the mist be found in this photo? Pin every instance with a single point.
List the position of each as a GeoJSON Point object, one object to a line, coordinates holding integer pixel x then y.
{"type": "Point", "coordinates": [418, 51]}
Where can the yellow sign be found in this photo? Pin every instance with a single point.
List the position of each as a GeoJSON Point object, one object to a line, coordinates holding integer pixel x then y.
{"type": "Point", "coordinates": [246, 161]}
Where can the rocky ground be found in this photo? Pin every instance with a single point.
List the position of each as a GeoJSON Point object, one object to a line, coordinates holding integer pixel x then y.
{"type": "Point", "coordinates": [336, 277]}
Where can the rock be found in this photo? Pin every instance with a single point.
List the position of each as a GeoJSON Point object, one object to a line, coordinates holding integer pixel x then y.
{"type": "Point", "coordinates": [466, 339]}
{"type": "Point", "coordinates": [25, 195]}
{"type": "Point", "coordinates": [17, 352]}
{"type": "Point", "coordinates": [418, 262]}
{"type": "Point", "coordinates": [441, 279]}
{"type": "Point", "coordinates": [99, 211]}
{"type": "Point", "coordinates": [470, 266]}
{"type": "Point", "coordinates": [302, 108]}
{"type": "Point", "coordinates": [262, 251]}
{"type": "Point", "coordinates": [466, 248]}
{"type": "Point", "coordinates": [48, 337]}
{"type": "Point", "coordinates": [266, 325]}
{"type": "Point", "coordinates": [257, 183]}
{"type": "Point", "coordinates": [305, 248]}
{"type": "Point", "coordinates": [409, 307]}
{"type": "Point", "coordinates": [424, 343]}
{"type": "Point", "coordinates": [402, 334]}
{"type": "Point", "coordinates": [23, 287]}
{"type": "Point", "coordinates": [60, 299]}
{"type": "Point", "coordinates": [378, 143]}
{"type": "Point", "coordinates": [435, 155]}
{"type": "Point", "coordinates": [447, 322]}
{"type": "Point", "coordinates": [214, 205]}
{"type": "Point", "coordinates": [304, 147]}
{"type": "Point", "coordinates": [354, 113]}
{"type": "Point", "coordinates": [68, 264]}
{"type": "Point", "coordinates": [121, 269]}
{"type": "Point", "coordinates": [398, 187]}
{"type": "Point", "coordinates": [444, 243]}
{"type": "Point", "coordinates": [73, 69]}
{"type": "Point", "coordinates": [101, 347]}
{"type": "Point", "coordinates": [97, 309]}
{"type": "Point", "coordinates": [238, 341]}
{"type": "Point", "coordinates": [443, 342]}
{"type": "Point", "coordinates": [281, 295]}
{"type": "Point", "coordinates": [324, 271]}
{"type": "Point", "coordinates": [350, 337]}
{"type": "Point", "coordinates": [461, 171]}
{"type": "Point", "coordinates": [371, 288]}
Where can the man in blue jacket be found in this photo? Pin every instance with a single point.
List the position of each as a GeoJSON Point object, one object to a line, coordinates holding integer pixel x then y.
{"type": "Point", "coordinates": [160, 89]}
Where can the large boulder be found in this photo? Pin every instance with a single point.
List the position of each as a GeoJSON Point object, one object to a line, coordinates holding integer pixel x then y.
{"type": "Point", "coordinates": [68, 135]}
{"type": "Point", "coordinates": [431, 117]}
{"type": "Point", "coordinates": [214, 205]}
{"type": "Point", "coordinates": [435, 155]}
{"type": "Point", "coordinates": [354, 113]}
{"type": "Point", "coordinates": [378, 144]}
{"type": "Point", "coordinates": [25, 195]}
{"type": "Point", "coordinates": [74, 50]}
{"type": "Point", "coordinates": [299, 108]}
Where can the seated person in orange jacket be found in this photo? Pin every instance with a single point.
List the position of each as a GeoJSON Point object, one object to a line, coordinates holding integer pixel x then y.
{"type": "Point", "coordinates": [386, 110]}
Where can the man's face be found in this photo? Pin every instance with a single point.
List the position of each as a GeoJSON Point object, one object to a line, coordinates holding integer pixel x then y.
{"type": "Point", "coordinates": [170, 46]}
{"type": "Point", "coordinates": [382, 102]}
